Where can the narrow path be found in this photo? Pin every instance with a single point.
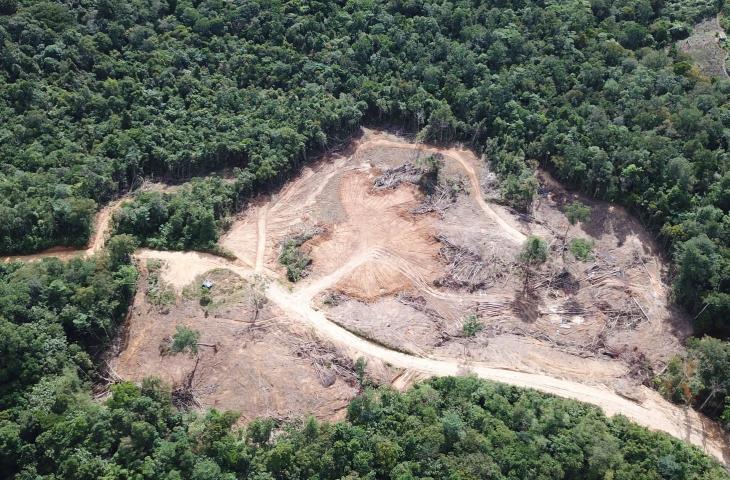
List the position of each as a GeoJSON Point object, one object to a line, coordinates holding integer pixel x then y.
{"type": "Point", "coordinates": [100, 231]}
{"type": "Point", "coordinates": [515, 234]}
{"type": "Point", "coordinates": [309, 290]}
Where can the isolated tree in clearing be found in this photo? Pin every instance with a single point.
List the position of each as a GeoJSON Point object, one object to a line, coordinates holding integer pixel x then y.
{"type": "Point", "coordinates": [534, 252]}
{"type": "Point", "coordinates": [185, 339]}
{"type": "Point", "coordinates": [472, 325]}
{"type": "Point", "coordinates": [575, 212]}
{"type": "Point", "coordinates": [581, 249]}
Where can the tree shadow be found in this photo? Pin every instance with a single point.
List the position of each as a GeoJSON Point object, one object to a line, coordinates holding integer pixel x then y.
{"type": "Point", "coordinates": [526, 305]}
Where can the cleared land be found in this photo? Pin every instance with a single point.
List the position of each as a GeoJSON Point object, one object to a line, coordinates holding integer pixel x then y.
{"type": "Point", "coordinates": [705, 46]}
{"type": "Point", "coordinates": [395, 273]}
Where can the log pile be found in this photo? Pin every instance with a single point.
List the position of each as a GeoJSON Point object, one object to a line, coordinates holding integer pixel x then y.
{"type": "Point", "coordinates": [394, 177]}
{"type": "Point", "coordinates": [328, 362]}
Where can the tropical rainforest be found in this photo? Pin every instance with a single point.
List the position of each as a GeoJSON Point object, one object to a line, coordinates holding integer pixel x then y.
{"type": "Point", "coordinates": [98, 96]}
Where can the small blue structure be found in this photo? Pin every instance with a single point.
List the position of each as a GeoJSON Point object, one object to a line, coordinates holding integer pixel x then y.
{"type": "Point", "coordinates": [208, 283]}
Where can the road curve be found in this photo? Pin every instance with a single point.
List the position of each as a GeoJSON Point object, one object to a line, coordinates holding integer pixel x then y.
{"type": "Point", "coordinates": [654, 412]}
{"type": "Point", "coordinates": [476, 188]}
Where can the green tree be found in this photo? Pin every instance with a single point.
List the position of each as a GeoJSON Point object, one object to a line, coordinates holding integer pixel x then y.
{"type": "Point", "coordinates": [581, 248]}
{"type": "Point", "coordinates": [471, 325]}
{"type": "Point", "coordinates": [185, 339]}
{"type": "Point", "coordinates": [575, 212]}
{"type": "Point", "coordinates": [120, 248]}
{"type": "Point", "coordinates": [697, 260]}
{"type": "Point", "coordinates": [534, 251]}
{"type": "Point", "coordinates": [8, 7]}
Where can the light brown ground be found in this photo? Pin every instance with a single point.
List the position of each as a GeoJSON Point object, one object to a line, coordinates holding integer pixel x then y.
{"type": "Point", "coordinates": [378, 231]}
{"type": "Point", "coordinates": [254, 368]}
{"type": "Point", "coordinates": [706, 47]}
{"type": "Point", "coordinates": [381, 261]}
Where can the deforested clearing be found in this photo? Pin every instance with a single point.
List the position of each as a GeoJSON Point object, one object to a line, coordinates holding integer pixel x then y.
{"type": "Point", "coordinates": [420, 277]}
{"type": "Point", "coordinates": [706, 47]}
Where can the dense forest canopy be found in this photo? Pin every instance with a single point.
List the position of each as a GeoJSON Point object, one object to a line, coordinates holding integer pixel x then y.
{"type": "Point", "coordinates": [97, 94]}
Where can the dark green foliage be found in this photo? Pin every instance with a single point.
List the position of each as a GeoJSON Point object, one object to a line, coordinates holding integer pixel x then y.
{"type": "Point", "coordinates": [360, 365]}
{"type": "Point", "coordinates": [445, 428]}
{"type": "Point", "coordinates": [701, 377]}
{"type": "Point", "coordinates": [581, 248]}
{"type": "Point", "coordinates": [55, 316]}
{"type": "Point", "coordinates": [294, 259]}
{"type": "Point", "coordinates": [185, 340]}
{"type": "Point", "coordinates": [179, 221]}
{"type": "Point", "coordinates": [95, 95]}
{"type": "Point", "coordinates": [534, 251]}
{"type": "Point", "coordinates": [430, 165]}
{"type": "Point", "coordinates": [8, 7]}
{"type": "Point", "coordinates": [471, 325]}
{"type": "Point", "coordinates": [577, 212]}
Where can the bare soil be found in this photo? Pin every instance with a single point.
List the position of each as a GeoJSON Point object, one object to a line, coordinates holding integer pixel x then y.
{"type": "Point", "coordinates": [396, 286]}
{"type": "Point", "coordinates": [255, 366]}
{"type": "Point", "coordinates": [706, 47]}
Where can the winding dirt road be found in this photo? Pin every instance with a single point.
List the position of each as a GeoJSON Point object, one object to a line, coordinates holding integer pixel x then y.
{"type": "Point", "coordinates": [460, 156]}
{"type": "Point", "coordinates": [101, 229]}
{"type": "Point", "coordinates": [654, 412]}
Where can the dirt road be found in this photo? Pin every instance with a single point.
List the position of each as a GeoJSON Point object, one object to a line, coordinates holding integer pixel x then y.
{"type": "Point", "coordinates": [182, 268]}
{"type": "Point", "coordinates": [654, 412]}
{"type": "Point", "coordinates": [101, 228]}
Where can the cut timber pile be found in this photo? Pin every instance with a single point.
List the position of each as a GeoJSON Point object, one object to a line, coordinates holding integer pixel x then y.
{"type": "Point", "coordinates": [328, 361]}
{"type": "Point", "coordinates": [183, 397]}
{"type": "Point", "coordinates": [467, 269]}
{"type": "Point", "coordinates": [394, 177]}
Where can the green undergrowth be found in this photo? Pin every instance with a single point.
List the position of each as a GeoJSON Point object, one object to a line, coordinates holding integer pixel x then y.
{"type": "Point", "coordinates": [158, 292]}
{"type": "Point", "coordinates": [293, 258]}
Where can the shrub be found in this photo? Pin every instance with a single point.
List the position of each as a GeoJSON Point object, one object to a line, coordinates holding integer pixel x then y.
{"type": "Point", "coordinates": [185, 339]}
{"type": "Point", "coordinates": [472, 325]}
{"type": "Point", "coordinates": [534, 251]}
{"type": "Point", "coordinates": [581, 249]}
